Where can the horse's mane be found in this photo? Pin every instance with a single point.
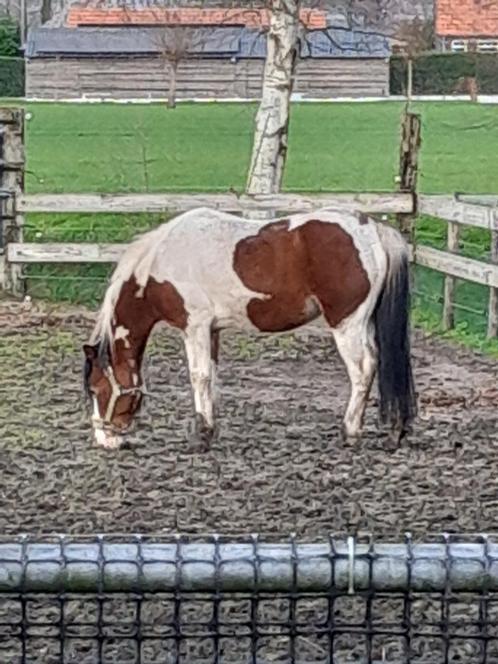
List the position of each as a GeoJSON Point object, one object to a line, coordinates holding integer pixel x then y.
{"type": "Point", "coordinates": [137, 261]}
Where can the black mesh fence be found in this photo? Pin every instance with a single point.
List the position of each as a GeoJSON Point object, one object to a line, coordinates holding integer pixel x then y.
{"type": "Point", "coordinates": [147, 600]}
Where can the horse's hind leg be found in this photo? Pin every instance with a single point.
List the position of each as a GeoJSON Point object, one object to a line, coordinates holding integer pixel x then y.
{"type": "Point", "coordinates": [201, 355]}
{"type": "Point", "coordinates": [356, 346]}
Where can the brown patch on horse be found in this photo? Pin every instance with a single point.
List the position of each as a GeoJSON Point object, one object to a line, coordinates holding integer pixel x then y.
{"type": "Point", "coordinates": [302, 271]}
{"type": "Point", "coordinates": [169, 302]}
{"type": "Point", "coordinates": [159, 301]}
{"type": "Point", "coordinates": [136, 316]}
{"type": "Point", "coordinates": [363, 218]}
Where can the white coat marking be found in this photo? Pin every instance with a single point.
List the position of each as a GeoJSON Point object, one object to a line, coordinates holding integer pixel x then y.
{"type": "Point", "coordinates": [122, 334]}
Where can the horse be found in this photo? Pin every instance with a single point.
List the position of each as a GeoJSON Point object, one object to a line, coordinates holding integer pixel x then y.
{"type": "Point", "coordinates": [206, 271]}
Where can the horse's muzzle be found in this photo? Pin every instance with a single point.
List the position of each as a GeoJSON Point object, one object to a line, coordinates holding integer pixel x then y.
{"type": "Point", "coordinates": [108, 436]}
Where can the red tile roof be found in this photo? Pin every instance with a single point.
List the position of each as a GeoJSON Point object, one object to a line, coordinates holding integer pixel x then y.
{"type": "Point", "coordinates": [80, 16]}
{"type": "Point", "coordinates": [467, 18]}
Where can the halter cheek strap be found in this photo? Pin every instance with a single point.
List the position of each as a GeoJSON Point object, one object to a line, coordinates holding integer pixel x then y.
{"type": "Point", "coordinates": [117, 391]}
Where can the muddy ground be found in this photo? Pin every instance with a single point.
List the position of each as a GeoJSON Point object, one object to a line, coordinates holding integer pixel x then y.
{"type": "Point", "coordinates": [279, 465]}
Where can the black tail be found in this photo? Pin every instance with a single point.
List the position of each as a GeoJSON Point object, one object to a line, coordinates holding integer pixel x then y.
{"type": "Point", "coordinates": [392, 331]}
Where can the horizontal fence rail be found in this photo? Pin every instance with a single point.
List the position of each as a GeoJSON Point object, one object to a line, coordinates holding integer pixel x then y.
{"type": "Point", "coordinates": [138, 600]}
{"type": "Point", "coordinates": [480, 212]}
{"type": "Point", "coordinates": [157, 203]}
{"type": "Point", "coordinates": [64, 252]}
{"type": "Point", "coordinates": [339, 565]}
{"type": "Point", "coordinates": [460, 267]}
{"type": "Point", "coordinates": [467, 211]}
{"type": "Point", "coordinates": [81, 252]}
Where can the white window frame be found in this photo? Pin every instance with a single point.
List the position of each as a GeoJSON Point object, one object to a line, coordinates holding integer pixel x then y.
{"type": "Point", "coordinates": [459, 45]}
{"type": "Point", "coordinates": [487, 45]}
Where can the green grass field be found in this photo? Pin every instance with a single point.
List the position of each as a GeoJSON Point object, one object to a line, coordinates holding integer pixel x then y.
{"type": "Point", "coordinates": [206, 147]}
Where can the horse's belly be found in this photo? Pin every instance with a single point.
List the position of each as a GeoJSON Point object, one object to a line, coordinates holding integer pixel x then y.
{"type": "Point", "coordinates": [268, 314]}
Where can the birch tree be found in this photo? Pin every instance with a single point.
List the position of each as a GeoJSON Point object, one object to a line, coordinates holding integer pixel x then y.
{"type": "Point", "coordinates": [272, 120]}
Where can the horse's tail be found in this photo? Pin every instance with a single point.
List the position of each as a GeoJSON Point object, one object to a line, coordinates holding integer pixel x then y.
{"type": "Point", "coordinates": [397, 404]}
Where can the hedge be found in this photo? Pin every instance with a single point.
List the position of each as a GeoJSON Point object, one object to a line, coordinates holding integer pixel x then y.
{"type": "Point", "coordinates": [10, 39]}
{"type": "Point", "coordinates": [11, 77]}
{"type": "Point", "coordinates": [440, 73]}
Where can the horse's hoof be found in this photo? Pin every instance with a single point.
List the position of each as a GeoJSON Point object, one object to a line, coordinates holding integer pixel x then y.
{"type": "Point", "coordinates": [349, 439]}
{"type": "Point", "coordinates": [394, 439]}
{"type": "Point", "coordinates": [202, 435]}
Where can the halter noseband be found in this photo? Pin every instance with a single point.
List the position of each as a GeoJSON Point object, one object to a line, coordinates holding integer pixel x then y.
{"type": "Point", "coordinates": [118, 391]}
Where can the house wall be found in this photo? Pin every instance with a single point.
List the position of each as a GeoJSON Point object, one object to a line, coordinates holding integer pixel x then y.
{"type": "Point", "coordinates": [148, 78]}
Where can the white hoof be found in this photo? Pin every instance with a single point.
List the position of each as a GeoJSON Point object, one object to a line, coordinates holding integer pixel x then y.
{"type": "Point", "coordinates": [350, 435]}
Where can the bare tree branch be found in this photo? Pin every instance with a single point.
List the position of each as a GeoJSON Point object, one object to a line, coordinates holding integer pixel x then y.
{"type": "Point", "coordinates": [414, 38]}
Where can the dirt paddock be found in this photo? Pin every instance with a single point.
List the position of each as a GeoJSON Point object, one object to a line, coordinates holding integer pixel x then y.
{"type": "Point", "coordinates": [278, 466]}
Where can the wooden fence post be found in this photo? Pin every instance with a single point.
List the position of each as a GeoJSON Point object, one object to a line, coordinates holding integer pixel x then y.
{"type": "Point", "coordinates": [12, 186]}
{"type": "Point", "coordinates": [493, 292]}
{"type": "Point", "coordinates": [453, 245]}
{"type": "Point", "coordinates": [408, 165]}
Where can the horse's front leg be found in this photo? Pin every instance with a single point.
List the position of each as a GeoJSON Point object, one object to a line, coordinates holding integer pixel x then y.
{"type": "Point", "coordinates": [200, 345]}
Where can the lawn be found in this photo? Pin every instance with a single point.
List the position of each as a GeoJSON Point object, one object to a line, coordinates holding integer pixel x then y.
{"type": "Point", "coordinates": [206, 147]}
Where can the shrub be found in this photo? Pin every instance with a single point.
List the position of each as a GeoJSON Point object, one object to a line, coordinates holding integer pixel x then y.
{"type": "Point", "coordinates": [442, 73]}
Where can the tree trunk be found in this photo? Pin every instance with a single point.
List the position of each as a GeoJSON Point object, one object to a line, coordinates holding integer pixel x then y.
{"type": "Point", "coordinates": [409, 84]}
{"type": "Point", "coordinates": [272, 120]}
{"type": "Point", "coordinates": [46, 11]}
{"type": "Point", "coordinates": [173, 76]}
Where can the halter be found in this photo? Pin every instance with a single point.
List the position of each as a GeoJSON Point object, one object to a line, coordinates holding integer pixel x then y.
{"type": "Point", "coordinates": [117, 391]}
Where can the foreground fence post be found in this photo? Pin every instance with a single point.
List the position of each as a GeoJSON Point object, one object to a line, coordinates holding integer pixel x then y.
{"type": "Point", "coordinates": [138, 599]}
{"type": "Point", "coordinates": [11, 187]}
{"type": "Point", "coordinates": [453, 244]}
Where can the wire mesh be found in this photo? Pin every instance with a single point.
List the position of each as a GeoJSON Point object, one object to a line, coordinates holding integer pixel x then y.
{"type": "Point", "coordinates": [148, 600]}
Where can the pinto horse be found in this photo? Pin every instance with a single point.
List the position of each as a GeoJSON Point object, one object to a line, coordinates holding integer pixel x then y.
{"type": "Point", "coordinates": [206, 271]}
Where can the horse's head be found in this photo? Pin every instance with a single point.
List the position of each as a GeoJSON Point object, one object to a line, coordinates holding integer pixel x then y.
{"type": "Point", "coordinates": [116, 391]}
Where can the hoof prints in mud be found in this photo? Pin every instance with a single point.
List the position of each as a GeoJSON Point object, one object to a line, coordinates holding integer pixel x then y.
{"type": "Point", "coordinates": [278, 464]}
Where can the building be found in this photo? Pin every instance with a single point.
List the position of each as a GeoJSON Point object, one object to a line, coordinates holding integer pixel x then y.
{"type": "Point", "coordinates": [221, 62]}
{"type": "Point", "coordinates": [121, 15]}
{"type": "Point", "coordinates": [467, 25]}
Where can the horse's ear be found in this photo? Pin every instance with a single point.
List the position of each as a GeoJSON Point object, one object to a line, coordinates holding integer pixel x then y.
{"type": "Point", "coordinates": [91, 352]}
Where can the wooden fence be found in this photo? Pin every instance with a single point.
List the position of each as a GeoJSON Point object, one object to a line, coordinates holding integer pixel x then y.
{"type": "Point", "coordinates": [456, 212]}
{"type": "Point", "coordinates": [480, 212]}
{"type": "Point", "coordinates": [23, 252]}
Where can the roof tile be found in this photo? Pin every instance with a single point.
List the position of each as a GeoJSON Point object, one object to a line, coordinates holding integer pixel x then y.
{"type": "Point", "coordinates": [80, 16]}
{"type": "Point", "coordinates": [466, 18]}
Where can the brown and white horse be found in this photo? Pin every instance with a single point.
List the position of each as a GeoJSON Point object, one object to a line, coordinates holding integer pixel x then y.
{"type": "Point", "coordinates": [206, 271]}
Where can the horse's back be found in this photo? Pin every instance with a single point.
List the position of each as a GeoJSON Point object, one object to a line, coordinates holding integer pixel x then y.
{"type": "Point", "coordinates": [273, 275]}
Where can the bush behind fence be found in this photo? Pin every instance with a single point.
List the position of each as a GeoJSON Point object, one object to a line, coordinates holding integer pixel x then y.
{"type": "Point", "coordinates": [444, 73]}
{"type": "Point", "coordinates": [11, 77]}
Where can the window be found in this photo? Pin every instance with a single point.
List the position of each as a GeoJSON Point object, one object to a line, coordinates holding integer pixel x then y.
{"type": "Point", "coordinates": [459, 45]}
{"type": "Point", "coordinates": [481, 45]}
{"type": "Point", "coordinates": [487, 45]}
